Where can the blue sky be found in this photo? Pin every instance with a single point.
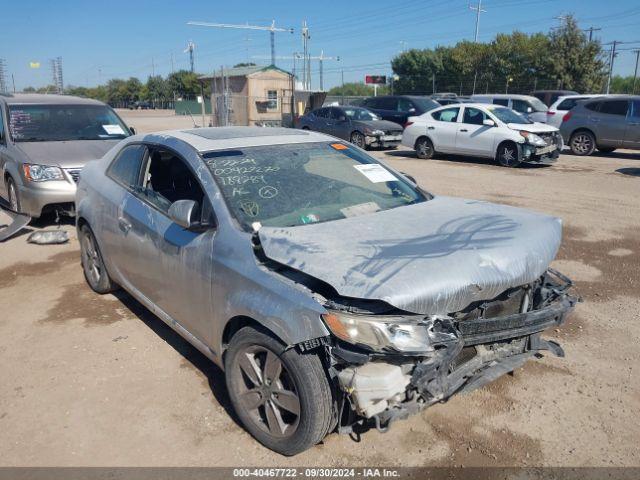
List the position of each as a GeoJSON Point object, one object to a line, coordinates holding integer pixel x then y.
{"type": "Point", "coordinates": [116, 38]}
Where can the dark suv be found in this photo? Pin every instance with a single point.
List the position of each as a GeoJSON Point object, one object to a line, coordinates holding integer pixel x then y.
{"type": "Point", "coordinates": [397, 108]}
{"type": "Point", "coordinates": [603, 123]}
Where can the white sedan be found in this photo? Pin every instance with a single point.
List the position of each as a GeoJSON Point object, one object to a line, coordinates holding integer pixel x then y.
{"type": "Point", "coordinates": [482, 130]}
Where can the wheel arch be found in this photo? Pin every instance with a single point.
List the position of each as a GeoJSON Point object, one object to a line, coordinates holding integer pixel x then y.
{"type": "Point", "coordinates": [238, 322]}
{"type": "Point", "coordinates": [420, 137]}
{"type": "Point", "coordinates": [503, 142]}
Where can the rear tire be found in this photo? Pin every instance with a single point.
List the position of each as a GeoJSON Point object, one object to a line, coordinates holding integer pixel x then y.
{"type": "Point", "coordinates": [95, 273]}
{"type": "Point", "coordinates": [282, 397]}
{"type": "Point", "coordinates": [508, 155]}
{"type": "Point", "coordinates": [12, 195]}
{"type": "Point", "coordinates": [582, 143]}
{"type": "Point", "coordinates": [606, 149]}
{"type": "Point", "coordinates": [424, 148]}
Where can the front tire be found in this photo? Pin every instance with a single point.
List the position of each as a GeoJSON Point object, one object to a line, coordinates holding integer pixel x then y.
{"type": "Point", "coordinates": [357, 139]}
{"type": "Point", "coordinates": [95, 273]}
{"type": "Point", "coordinates": [282, 397]}
{"type": "Point", "coordinates": [582, 143]}
{"type": "Point", "coordinates": [424, 148]}
{"type": "Point", "coordinates": [12, 195]}
{"type": "Point", "coordinates": [508, 155]}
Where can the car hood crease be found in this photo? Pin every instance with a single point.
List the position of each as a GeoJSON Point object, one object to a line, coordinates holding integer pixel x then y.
{"type": "Point", "coordinates": [434, 257]}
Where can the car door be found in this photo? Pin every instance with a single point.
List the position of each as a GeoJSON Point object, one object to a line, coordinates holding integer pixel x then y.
{"type": "Point", "coordinates": [444, 129]}
{"type": "Point", "coordinates": [339, 123]}
{"type": "Point", "coordinates": [174, 267]}
{"type": "Point", "coordinates": [611, 122]}
{"type": "Point", "coordinates": [388, 109]}
{"type": "Point", "coordinates": [3, 152]}
{"type": "Point", "coordinates": [473, 137]}
{"type": "Point", "coordinates": [632, 134]}
{"type": "Point", "coordinates": [321, 123]}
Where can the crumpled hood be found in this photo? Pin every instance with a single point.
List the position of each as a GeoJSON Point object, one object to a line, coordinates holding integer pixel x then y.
{"type": "Point", "coordinates": [535, 127]}
{"type": "Point", "coordinates": [71, 154]}
{"type": "Point", "coordinates": [434, 257]}
{"type": "Point", "coordinates": [378, 124]}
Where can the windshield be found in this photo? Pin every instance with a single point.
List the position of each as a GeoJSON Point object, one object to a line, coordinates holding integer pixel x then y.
{"type": "Point", "coordinates": [538, 105]}
{"type": "Point", "coordinates": [360, 114]}
{"type": "Point", "coordinates": [45, 123]}
{"type": "Point", "coordinates": [296, 184]}
{"type": "Point", "coordinates": [425, 104]}
{"type": "Point", "coordinates": [507, 115]}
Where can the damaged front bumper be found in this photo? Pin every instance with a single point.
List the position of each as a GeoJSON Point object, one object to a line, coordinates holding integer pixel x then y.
{"type": "Point", "coordinates": [474, 352]}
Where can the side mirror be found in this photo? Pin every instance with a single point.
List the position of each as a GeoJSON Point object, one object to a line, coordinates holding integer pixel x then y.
{"type": "Point", "coordinates": [183, 213]}
{"type": "Point", "coordinates": [488, 123]}
{"type": "Point", "coordinates": [132, 130]}
{"type": "Point", "coordinates": [529, 110]}
{"type": "Point", "coordinates": [411, 110]}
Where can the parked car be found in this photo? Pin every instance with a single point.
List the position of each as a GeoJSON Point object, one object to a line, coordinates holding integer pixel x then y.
{"type": "Point", "coordinates": [561, 106]}
{"type": "Point", "coordinates": [45, 141]}
{"type": "Point", "coordinates": [605, 123]}
{"type": "Point", "coordinates": [481, 130]}
{"type": "Point", "coordinates": [399, 107]}
{"type": "Point", "coordinates": [329, 288]}
{"type": "Point", "coordinates": [548, 97]}
{"type": "Point", "coordinates": [141, 105]}
{"type": "Point", "coordinates": [354, 124]}
{"type": "Point", "coordinates": [531, 107]}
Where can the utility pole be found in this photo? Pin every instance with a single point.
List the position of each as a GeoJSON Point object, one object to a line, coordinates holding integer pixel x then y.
{"type": "Point", "coordinates": [297, 56]}
{"type": "Point", "coordinates": [190, 47]}
{"type": "Point", "coordinates": [306, 75]}
{"type": "Point", "coordinates": [635, 73]}
{"type": "Point", "coordinates": [3, 78]}
{"type": "Point", "coordinates": [611, 58]}
{"type": "Point", "coordinates": [478, 9]}
{"type": "Point", "coordinates": [172, 65]}
{"type": "Point", "coordinates": [342, 78]}
{"type": "Point", "coordinates": [153, 68]}
{"type": "Point", "coordinates": [591, 30]}
{"type": "Point", "coordinates": [272, 29]}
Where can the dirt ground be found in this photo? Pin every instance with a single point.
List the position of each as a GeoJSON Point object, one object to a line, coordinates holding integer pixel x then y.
{"type": "Point", "coordinates": [92, 380]}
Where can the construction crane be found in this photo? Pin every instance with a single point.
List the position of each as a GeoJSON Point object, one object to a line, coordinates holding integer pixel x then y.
{"type": "Point", "coordinates": [272, 29]}
{"type": "Point", "coordinates": [299, 56]}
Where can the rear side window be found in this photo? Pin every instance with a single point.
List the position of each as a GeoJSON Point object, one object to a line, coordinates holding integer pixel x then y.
{"type": "Point", "coordinates": [446, 115]}
{"type": "Point", "coordinates": [322, 113]}
{"type": "Point", "coordinates": [387, 103]}
{"type": "Point", "coordinates": [1, 125]}
{"type": "Point", "coordinates": [501, 101]}
{"type": "Point", "coordinates": [404, 105]}
{"type": "Point", "coordinates": [593, 106]}
{"type": "Point", "coordinates": [569, 103]}
{"type": "Point", "coordinates": [636, 109]}
{"type": "Point", "coordinates": [615, 107]}
{"type": "Point", "coordinates": [127, 166]}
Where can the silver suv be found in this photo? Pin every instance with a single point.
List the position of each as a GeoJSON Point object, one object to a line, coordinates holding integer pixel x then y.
{"type": "Point", "coordinates": [605, 123]}
{"type": "Point", "coordinates": [45, 140]}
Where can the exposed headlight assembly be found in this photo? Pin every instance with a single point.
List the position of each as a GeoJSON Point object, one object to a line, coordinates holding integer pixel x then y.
{"type": "Point", "coordinates": [374, 132]}
{"type": "Point", "coordinates": [381, 333]}
{"type": "Point", "coordinates": [41, 173]}
{"type": "Point", "coordinates": [533, 139]}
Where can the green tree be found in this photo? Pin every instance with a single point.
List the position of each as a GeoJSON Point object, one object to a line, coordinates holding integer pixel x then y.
{"type": "Point", "coordinates": [357, 89]}
{"type": "Point", "coordinates": [183, 83]}
{"type": "Point", "coordinates": [245, 64]}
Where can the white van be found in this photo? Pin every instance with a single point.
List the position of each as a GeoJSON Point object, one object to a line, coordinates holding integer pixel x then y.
{"type": "Point", "coordinates": [530, 107]}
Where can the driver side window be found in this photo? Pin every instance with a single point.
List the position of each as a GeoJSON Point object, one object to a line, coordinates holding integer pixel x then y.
{"type": "Point", "coordinates": [167, 178]}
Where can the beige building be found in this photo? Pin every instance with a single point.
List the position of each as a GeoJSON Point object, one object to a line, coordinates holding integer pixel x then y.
{"type": "Point", "coordinates": [255, 95]}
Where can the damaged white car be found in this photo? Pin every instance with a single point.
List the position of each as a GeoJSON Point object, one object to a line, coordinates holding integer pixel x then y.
{"type": "Point", "coordinates": [334, 292]}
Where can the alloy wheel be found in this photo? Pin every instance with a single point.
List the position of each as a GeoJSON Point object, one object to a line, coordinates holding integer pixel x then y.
{"type": "Point", "coordinates": [582, 143]}
{"type": "Point", "coordinates": [13, 197]}
{"type": "Point", "coordinates": [267, 392]}
{"type": "Point", "coordinates": [423, 149]}
{"type": "Point", "coordinates": [357, 139]}
{"type": "Point", "coordinates": [91, 260]}
{"type": "Point", "coordinates": [508, 156]}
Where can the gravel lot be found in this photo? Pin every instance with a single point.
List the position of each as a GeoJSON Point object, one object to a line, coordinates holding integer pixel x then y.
{"type": "Point", "coordinates": [98, 380]}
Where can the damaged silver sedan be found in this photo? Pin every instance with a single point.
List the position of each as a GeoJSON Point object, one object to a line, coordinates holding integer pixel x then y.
{"type": "Point", "coordinates": [334, 292]}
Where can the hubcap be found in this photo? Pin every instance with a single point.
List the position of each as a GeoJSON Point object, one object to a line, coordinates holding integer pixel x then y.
{"type": "Point", "coordinates": [508, 156]}
{"type": "Point", "coordinates": [91, 259]}
{"type": "Point", "coordinates": [582, 143]}
{"type": "Point", "coordinates": [358, 140]}
{"type": "Point", "coordinates": [423, 148]}
{"type": "Point", "coordinates": [266, 391]}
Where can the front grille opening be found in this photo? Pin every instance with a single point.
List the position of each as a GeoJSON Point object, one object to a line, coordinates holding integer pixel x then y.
{"type": "Point", "coordinates": [463, 357]}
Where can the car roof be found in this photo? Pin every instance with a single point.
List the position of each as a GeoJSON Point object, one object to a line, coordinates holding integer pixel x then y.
{"type": "Point", "coordinates": [222, 138]}
{"type": "Point", "coordinates": [46, 99]}
{"type": "Point", "coordinates": [504, 95]}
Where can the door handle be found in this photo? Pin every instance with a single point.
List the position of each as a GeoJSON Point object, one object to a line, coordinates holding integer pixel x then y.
{"type": "Point", "coordinates": [124, 225]}
{"type": "Point", "coordinates": [431, 128]}
{"type": "Point", "coordinates": [595, 120]}
{"type": "Point", "coordinates": [464, 130]}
